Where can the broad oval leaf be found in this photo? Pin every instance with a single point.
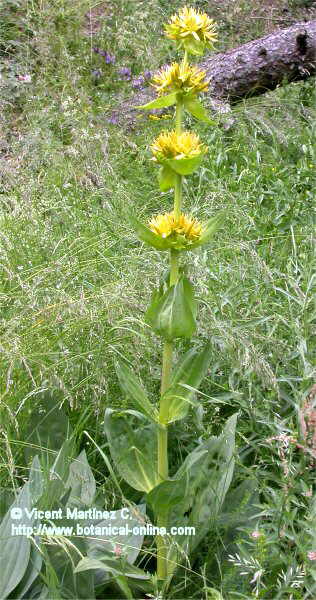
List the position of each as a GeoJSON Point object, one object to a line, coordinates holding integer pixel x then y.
{"type": "Point", "coordinates": [166, 178]}
{"type": "Point", "coordinates": [192, 46]}
{"type": "Point", "coordinates": [209, 481]}
{"type": "Point", "coordinates": [133, 449]}
{"type": "Point", "coordinates": [170, 492]}
{"type": "Point", "coordinates": [210, 229]}
{"type": "Point", "coordinates": [184, 166]}
{"type": "Point", "coordinates": [113, 565]}
{"type": "Point", "coordinates": [47, 429]}
{"type": "Point", "coordinates": [196, 108]}
{"type": "Point", "coordinates": [146, 235]}
{"type": "Point", "coordinates": [15, 549]}
{"type": "Point", "coordinates": [32, 571]}
{"type": "Point", "coordinates": [81, 481]}
{"type": "Point", "coordinates": [187, 376]}
{"type": "Point", "coordinates": [58, 475]}
{"type": "Point", "coordinates": [129, 545]}
{"type": "Point", "coordinates": [161, 102]}
{"type": "Point", "coordinates": [172, 314]}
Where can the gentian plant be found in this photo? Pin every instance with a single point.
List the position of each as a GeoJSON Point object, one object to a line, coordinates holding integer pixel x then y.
{"type": "Point", "coordinates": [138, 440]}
{"type": "Point", "coordinates": [182, 506]}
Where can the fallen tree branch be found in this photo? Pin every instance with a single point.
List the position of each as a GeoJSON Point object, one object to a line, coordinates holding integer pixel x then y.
{"type": "Point", "coordinates": [263, 64]}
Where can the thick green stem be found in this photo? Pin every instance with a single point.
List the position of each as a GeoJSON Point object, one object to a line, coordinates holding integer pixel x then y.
{"type": "Point", "coordinates": [174, 266]}
{"type": "Point", "coordinates": [163, 471]}
{"type": "Point", "coordinates": [177, 196]}
{"type": "Point", "coordinates": [179, 113]}
{"type": "Point", "coordinates": [178, 183]}
{"type": "Point", "coordinates": [162, 516]}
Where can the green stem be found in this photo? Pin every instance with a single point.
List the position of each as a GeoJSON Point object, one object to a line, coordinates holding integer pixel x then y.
{"type": "Point", "coordinates": [178, 183]}
{"type": "Point", "coordinates": [163, 471]}
{"type": "Point", "coordinates": [179, 114]}
{"type": "Point", "coordinates": [174, 266]}
{"type": "Point", "coordinates": [177, 196]}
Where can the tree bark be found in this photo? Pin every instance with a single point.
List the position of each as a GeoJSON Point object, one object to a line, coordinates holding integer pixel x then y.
{"type": "Point", "coordinates": [263, 64]}
{"type": "Point", "coordinates": [283, 56]}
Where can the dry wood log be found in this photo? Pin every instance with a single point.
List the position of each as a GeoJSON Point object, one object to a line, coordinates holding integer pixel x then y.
{"type": "Point", "coordinates": [285, 55]}
{"type": "Point", "coordinates": [263, 64]}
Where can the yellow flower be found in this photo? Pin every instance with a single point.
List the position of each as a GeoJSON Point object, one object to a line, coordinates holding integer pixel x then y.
{"type": "Point", "coordinates": [183, 230]}
{"type": "Point", "coordinates": [170, 144]}
{"type": "Point", "coordinates": [182, 78]}
{"type": "Point", "coordinates": [192, 30]}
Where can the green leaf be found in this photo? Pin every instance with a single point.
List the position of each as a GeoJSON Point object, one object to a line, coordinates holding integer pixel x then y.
{"type": "Point", "coordinates": [39, 592]}
{"type": "Point", "coordinates": [211, 227]}
{"type": "Point", "coordinates": [168, 493]}
{"type": "Point", "coordinates": [62, 560]}
{"type": "Point", "coordinates": [184, 166]}
{"type": "Point", "coordinates": [58, 475]}
{"type": "Point", "coordinates": [240, 505]}
{"type": "Point", "coordinates": [113, 565]}
{"type": "Point", "coordinates": [161, 102]}
{"type": "Point", "coordinates": [196, 108]}
{"type": "Point", "coordinates": [146, 235]}
{"type": "Point", "coordinates": [36, 480]}
{"type": "Point", "coordinates": [208, 483]}
{"type": "Point", "coordinates": [132, 388]}
{"type": "Point", "coordinates": [32, 571]}
{"type": "Point", "coordinates": [48, 428]}
{"type": "Point", "coordinates": [15, 549]}
{"type": "Point", "coordinates": [6, 499]}
{"type": "Point", "coordinates": [166, 178]}
{"type": "Point", "coordinates": [81, 481]}
{"type": "Point", "coordinates": [103, 544]}
{"type": "Point", "coordinates": [122, 583]}
{"type": "Point", "coordinates": [172, 314]}
{"type": "Point", "coordinates": [186, 379]}
{"type": "Point", "coordinates": [130, 544]}
{"type": "Point", "coordinates": [171, 491]}
{"type": "Point", "coordinates": [193, 46]}
{"type": "Point", "coordinates": [133, 450]}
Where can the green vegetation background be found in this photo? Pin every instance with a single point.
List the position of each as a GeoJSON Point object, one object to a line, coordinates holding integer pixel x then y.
{"type": "Point", "coordinates": [75, 282]}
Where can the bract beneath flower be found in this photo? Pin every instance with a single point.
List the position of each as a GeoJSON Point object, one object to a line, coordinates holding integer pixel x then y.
{"type": "Point", "coordinates": [179, 232]}
{"type": "Point", "coordinates": [181, 152]}
{"type": "Point", "coordinates": [165, 231]}
{"type": "Point", "coordinates": [184, 166]}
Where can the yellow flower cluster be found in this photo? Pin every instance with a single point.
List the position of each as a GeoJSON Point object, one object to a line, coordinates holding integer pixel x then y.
{"type": "Point", "coordinates": [167, 224]}
{"type": "Point", "coordinates": [170, 144]}
{"type": "Point", "coordinates": [192, 25]}
{"type": "Point", "coordinates": [182, 77]}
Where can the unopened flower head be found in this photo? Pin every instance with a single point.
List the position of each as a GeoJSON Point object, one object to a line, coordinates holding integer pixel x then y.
{"type": "Point", "coordinates": [192, 30]}
{"type": "Point", "coordinates": [182, 230]}
{"type": "Point", "coordinates": [170, 144]}
{"type": "Point", "coordinates": [182, 78]}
